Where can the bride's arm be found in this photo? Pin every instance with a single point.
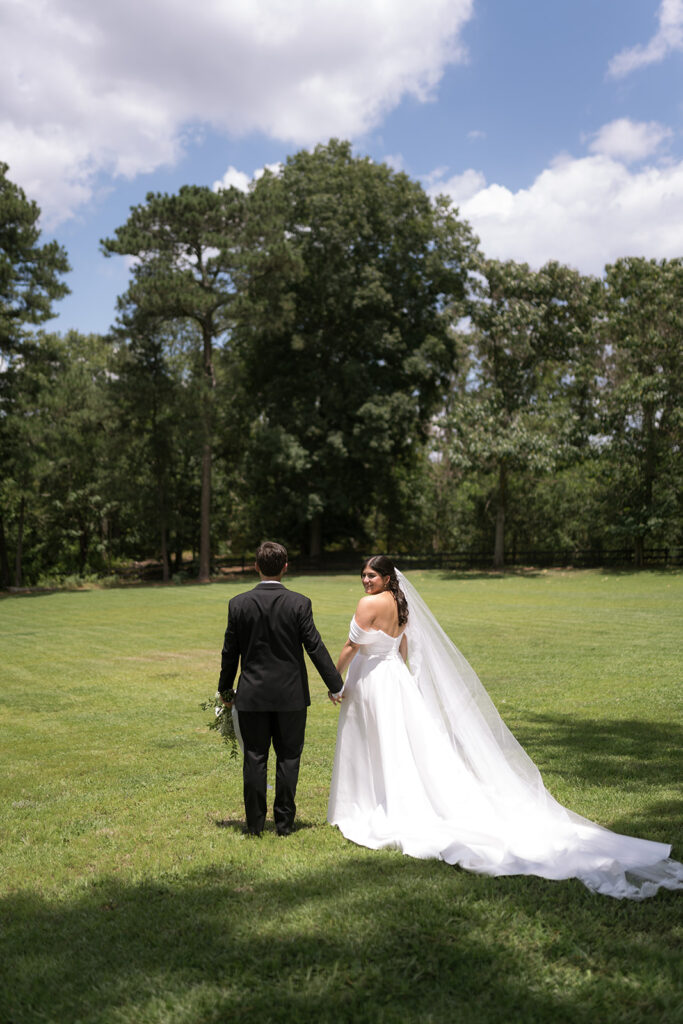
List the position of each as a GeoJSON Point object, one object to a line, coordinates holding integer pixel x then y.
{"type": "Point", "coordinates": [364, 616]}
{"type": "Point", "coordinates": [347, 653]}
{"type": "Point", "coordinates": [343, 661]}
{"type": "Point", "coordinates": [403, 647]}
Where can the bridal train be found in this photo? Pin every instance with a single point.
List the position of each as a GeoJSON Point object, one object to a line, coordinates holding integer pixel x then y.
{"type": "Point", "coordinates": [425, 765]}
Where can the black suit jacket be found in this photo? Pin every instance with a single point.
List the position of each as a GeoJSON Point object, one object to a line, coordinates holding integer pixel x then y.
{"type": "Point", "coordinates": [268, 629]}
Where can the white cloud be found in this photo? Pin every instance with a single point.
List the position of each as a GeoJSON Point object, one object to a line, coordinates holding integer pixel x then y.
{"type": "Point", "coordinates": [91, 88]}
{"type": "Point", "coordinates": [238, 179]}
{"type": "Point", "coordinates": [395, 161]}
{"type": "Point", "coordinates": [667, 39]}
{"type": "Point", "coordinates": [434, 176]}
{"type": "Point", "coordinates": [460, 187]}
{"type": "Point", "coordinates": [273, 168]}
{"type": "Point", "coordinates": [584, 211]}
{"type": "Point", "coordinates": [476, 134]}
{"type": "Point", "coordinates": [233, 179]}
{"type": "Point", "coordinates": [629, 140]}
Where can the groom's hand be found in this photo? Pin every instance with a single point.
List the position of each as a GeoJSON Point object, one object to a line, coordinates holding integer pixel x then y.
{"type": "Point", "coordinates": [228, 697]}
{"type": "Point", "coordinates": [336, 698]}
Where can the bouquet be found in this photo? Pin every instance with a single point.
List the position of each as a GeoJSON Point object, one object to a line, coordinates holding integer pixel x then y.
{"type": "Point", "coordinates": [222, 722]}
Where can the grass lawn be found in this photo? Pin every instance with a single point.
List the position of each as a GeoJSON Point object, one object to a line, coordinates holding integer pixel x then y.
{"type": "Point", "coordinates": [128, 893]}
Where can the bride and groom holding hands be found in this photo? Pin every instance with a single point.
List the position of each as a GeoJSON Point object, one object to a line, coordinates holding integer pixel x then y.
{"type": "Point", "coordinates": [423, 762]}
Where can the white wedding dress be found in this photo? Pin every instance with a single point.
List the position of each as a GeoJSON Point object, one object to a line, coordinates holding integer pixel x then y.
{"type": "Point", "coordinates": [425, 765]}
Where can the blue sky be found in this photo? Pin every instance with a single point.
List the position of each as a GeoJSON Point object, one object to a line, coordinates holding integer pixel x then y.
{"type": "Point", "coordinates": [556, 126]}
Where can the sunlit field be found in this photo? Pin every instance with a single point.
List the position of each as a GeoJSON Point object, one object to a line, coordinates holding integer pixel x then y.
{"type": "Point", "coordinates": [130, 895]}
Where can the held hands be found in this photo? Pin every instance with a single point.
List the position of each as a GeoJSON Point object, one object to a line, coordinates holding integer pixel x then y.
{"type": "Point", "coordinates": [336, 698]}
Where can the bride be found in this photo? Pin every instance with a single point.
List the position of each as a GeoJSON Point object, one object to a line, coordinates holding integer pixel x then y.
{"type": "Point", "coordinates": [424, 763]}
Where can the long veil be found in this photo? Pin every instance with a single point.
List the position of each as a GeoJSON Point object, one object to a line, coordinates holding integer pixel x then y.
{"type": "Point", "coordinates": [568, 845]}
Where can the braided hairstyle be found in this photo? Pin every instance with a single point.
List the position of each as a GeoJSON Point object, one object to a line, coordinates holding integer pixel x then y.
{"type": "Point", "coordinates": [385, 567]}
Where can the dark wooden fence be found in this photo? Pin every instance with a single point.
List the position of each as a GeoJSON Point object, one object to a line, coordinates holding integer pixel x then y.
{"type": "Point", "coordinates": [348, 561]}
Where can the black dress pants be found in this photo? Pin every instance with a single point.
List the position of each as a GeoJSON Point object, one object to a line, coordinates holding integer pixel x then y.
{"type": "Point", "coordinates": [285, 730]}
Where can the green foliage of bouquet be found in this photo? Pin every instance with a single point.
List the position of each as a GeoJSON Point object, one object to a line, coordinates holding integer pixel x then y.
{"type": "Point", "coordinates": [222, 722]}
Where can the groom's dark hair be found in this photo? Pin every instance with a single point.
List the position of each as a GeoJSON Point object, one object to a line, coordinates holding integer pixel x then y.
{"type": "Point", "coordinates": [271, 558]}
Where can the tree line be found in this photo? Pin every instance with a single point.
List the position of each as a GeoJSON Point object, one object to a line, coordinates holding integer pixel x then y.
{"type": "Point", "coordinates": [330, 359]}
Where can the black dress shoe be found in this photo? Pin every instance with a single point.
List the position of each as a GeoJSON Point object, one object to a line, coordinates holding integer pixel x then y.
{"type": "Point", "coordinates": [284, 832]}
{"type": "Point", "coordinates": [246, 831]}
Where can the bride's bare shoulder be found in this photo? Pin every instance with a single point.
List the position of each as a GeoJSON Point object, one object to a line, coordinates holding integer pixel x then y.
{"type": "Point", "coordinates": [366, 610]}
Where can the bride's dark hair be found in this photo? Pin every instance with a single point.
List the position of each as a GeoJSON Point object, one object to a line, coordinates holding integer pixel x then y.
{"type": "Point", "coordinates": [385, 567]}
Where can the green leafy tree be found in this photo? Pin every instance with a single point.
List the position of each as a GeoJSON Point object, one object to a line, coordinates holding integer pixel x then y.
{"type": "Point", "coordinates": [641, 400]}
{"type": "Point", "coordinates": [58, 426]}
{"type": "Point", "coordinates": [29, 273]}
{"type": "Point", "coordinates": [521, 401]}
{"type": "Point", "coordinates": [22, 382]}
{"type": "Point", "coordinates": [344, 336]}
{"type": "Point", "coordinates": [30, 282]}
{"type": "Point", "coordinates": [155, 467]}
{"type": "Point", "coordinates": [76, 449]}
{"type": "Point", "coordinates": [187, 249]}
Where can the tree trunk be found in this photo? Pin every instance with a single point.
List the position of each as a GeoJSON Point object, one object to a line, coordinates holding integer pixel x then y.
{"type": "Point", "coordinates": [206, 413]}
{"type": "Point", "coordinates": [650, 455]}
{"type": "Point", "coordinates": [159, 461]}
{"type": "Point", "coordinates": [501, 499]}
{"type": "Point", "coordinates": [390, 533]}
{"type": "Point", "coordinates": [205, 517]}
{"type": "Point", "coordinates": [315, 544]}
{"type": "Point", "coordinates": [649, 475]}
{"type": "Point", "coordinates": [4, 559]}
{"type": "Point", "coordinates": [104, 538]}
{"type": "Point", "coordinates": [163, 532]}
{"type": "Point", "coordinates": [165, 574]}
{"type": "Point", "coordinates": [19, 556]}
{"type": "Point", "coordinates": [83, 548]}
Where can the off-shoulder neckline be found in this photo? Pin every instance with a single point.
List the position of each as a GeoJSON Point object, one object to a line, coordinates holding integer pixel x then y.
{"type": "Point", "coordinates": [382, 631]}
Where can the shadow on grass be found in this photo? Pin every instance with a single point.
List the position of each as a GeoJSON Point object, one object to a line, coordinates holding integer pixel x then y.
{"type": "Point", "coordinates": [534, 572]}
{"type": "Point", "coordinates": [607, 752]}
{"type": "Point", "coordinates": [649, 570]}
{"type": "Point", "coordinates": [376, 938]}
{"type": "Point", "coordinates": [237, 825]}
{"type": "Point", "coordinates": [487, 574]}
{"type": "Point", "coordinates": [241, 580]}
{"type": "Point", "coordinates": [629, 754]}
{"type": "Point", "coordinates": [27, 592]}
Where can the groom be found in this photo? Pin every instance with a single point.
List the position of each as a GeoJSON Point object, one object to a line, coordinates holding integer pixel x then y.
{"type": "Point", "coordinates": [267, 629]}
